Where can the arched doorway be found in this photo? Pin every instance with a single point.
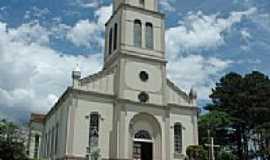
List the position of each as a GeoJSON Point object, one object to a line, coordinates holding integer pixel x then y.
{"type": "Point", "coordinates": [145, 137]}
{"type": "Point", "coordinates": [142, 146]}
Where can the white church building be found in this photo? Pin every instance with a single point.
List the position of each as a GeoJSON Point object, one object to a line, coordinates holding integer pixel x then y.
{"type": "Point", "coordinates": [129, 110]}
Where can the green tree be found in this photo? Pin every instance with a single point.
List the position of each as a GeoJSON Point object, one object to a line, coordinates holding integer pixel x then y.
{"type": "Point", "coordinates": [219, 126]}
{"type": "Point", "coordinates": [246, 100]}
{"type": "Point", "coordinates": [11, 142]}
{"type": "Point", "coordinates": [225, 155]}
{"type": "Point", "coordinates": [196, 152]}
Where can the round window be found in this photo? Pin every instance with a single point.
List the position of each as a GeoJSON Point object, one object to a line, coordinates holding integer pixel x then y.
{"type": "Point", "coordinates": [144, 76]}
{"type": "Point", "coordinates": [143, 97]}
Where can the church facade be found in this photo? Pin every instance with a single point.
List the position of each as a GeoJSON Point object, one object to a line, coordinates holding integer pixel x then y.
{"type": "Point", "coordinates": [129, 110]}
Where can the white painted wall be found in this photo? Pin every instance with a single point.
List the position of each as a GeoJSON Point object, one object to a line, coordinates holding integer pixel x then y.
{"type": "Point", "coordinates": [188, 120]}
{"type": "Point", "coordinates": [60, 117]}
{"type": "Point", "coordinates": [35, 129]}
{"type": "Point", "coordinates": [84, 107]}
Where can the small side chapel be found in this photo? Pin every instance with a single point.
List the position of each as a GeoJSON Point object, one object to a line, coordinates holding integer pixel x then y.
{"type": "Point", "coordinates": [129, 110]}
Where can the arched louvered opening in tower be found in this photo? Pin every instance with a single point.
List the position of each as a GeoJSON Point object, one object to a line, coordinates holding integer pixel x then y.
{"type": "Point", "coordinates": [149, 39]}
{"type": "Point", "coordinates": [137, 35]}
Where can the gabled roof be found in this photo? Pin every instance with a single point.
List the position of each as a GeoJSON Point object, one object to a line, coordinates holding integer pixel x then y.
{"type": "Point", "coordinates": [178, 97]}
{"type": "Point", "coordinates": [97, 75]}
{"type": "Point", "coordinates": [177, 89]}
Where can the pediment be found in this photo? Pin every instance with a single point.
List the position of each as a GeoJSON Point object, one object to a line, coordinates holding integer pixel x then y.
{"type": "Point", "coordinates": [101, 82]}
{"type": "Point", "coordinates": [176, 96]}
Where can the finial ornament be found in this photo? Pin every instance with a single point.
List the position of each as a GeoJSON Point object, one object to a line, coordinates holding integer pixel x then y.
{"type": "Point", "coordinates": [76, 75]}
{"type": "Point", "coordinates": [77, 68]}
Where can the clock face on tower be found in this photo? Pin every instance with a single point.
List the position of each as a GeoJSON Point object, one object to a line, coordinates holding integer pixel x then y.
{"type": "Point", "coordinates": [143, 77]}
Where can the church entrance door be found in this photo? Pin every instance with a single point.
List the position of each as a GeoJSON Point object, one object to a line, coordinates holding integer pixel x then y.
{"type": "Point", "coordinates": [143, 151]}
{"type": "Point", "coordinates": [143, 146]}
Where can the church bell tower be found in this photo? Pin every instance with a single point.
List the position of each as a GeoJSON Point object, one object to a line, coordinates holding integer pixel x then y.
{"type": "Point", "coordinates": [135, 45]}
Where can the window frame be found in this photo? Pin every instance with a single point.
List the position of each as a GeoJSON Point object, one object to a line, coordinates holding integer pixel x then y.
{"type": "Point", "coordinates": [137, 33]}
{"type": "Point", "coordinates": [110, 41]}
{"type": "Point", "coordinates": [115, 36]}
{"type": "Point", "coordinates": [178, 138]}
{"type": "Point", "coordinates": [149, 36]}
{"type": "Point", "coordinates": [37, 143]}
{"type": "Point", "coordinates": [93, 127]}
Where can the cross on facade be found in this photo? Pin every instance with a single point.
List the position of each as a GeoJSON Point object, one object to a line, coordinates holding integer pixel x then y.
{"type": "Point", "coordinates": [212, 147]}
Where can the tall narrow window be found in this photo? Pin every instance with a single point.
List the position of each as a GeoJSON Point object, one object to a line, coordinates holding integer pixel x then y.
{"type": "Point", "coordinates": [149, 36]}
{"type": "Point", "coordinates": [110, 41]}
{"type": "Point", "coordinates": [52, 142]}
{"type": "Point", "coordinates": [115, 36]}
{"type": "Point", "coordinates": [137, 33]}
{"type": "Point", "coordinates": [178, 138]}
{"type": "Point", "coordinates": [93, 129]}
{"type": "Point", "coordinates": [45, 144]}
{"type": "Point", "coordinates": [36, 149]}
{"type": "Point", "coordinates": [56, 138]}
{"type": "Point", "coordinates": [49, 143]}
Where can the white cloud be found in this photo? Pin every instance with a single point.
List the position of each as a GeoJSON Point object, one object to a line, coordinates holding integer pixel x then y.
{"type": "Point", "coordinates": [32, 74]}
{"type": "Point", "coordinates": [195, 33]}
{"type": "Point", "coordinates": [196, 71]}
{"type": "Point", "coordinates": [198, 31]}
{"type": "Point", "coordinates": [245, 34]}
{"type": "Point", "coordinates": [89, 33]}
{"type": "Point", "coordinates": [30, 33]}
{"type": "Point", "coordinates": [84, 33]}
{"type": "Point", "coordinates": [263, 20]}
{"type": "Point", "coordinates": [87, 3]}
{"type": "Point", "coordinates": [36, 13]}
{"type": "Point", "coordinates": [91, 5]}
{"type": "Point", "coordinates": [166, 6]}
{"type": "Point", "coordinates": [103, 14]}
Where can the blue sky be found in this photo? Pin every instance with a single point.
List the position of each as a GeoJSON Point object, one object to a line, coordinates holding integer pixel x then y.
{"type": "Point", "coordinates": [41, 42]}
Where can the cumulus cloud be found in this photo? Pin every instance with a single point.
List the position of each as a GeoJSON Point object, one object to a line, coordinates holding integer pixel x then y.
{"type": "Point", "coordinates": [103, 14]}
{"type": "Point", "coordinates": [196, 71]}
{"type": "Point", "coordinates": [89, 33]}
{"type": "Point", "coordinates": [88, 3]}
{"type": "Point", "coordinates": [166, 5]}
{"type": "Point", "coordinates": [84, 33]}
{"type": "Point", "coordinates": [36, 13]}
{"type": "Point", "coordinates": [29, 33]}
{"type": "Point", "coordinates": [33, 75]}
{"type": "Point", "coordinates": [200, 32]}
{"type": "Point", "coordinates": [196, 33]}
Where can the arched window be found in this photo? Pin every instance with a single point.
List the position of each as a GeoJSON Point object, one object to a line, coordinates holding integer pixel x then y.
{"type": "Point", "coordinates": [110, 41]}
{"type": "Point", "coordinates": [149, 36]}
{"type": "Point", "coordinates": [36, 149]}
{"type": "Point", "coordinates": [178, 138]}
{"type": "Point", "coordinates": [143, 134]}
{"type": "Point", "coordinates": [94, 129]}
{"type": "Point", "coordinates": [137, 35]}
{"type": "Point", "coordinates": [115, 36]}
{"type": "Point", "coordinates": [56, 138]}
